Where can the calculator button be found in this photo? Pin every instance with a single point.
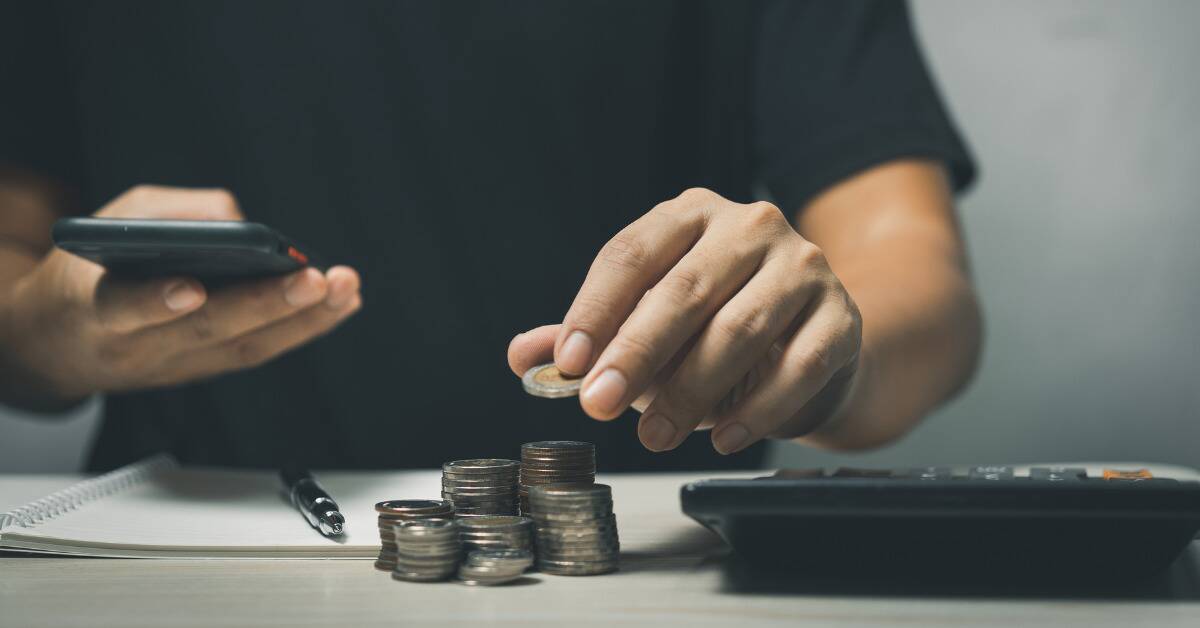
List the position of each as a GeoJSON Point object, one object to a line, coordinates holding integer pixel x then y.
{"type": "Point", "coordinates": [1057, 474]}
{"type": "Point", "coordinates": [851, 472]}
{"type": "Point", "coordinates": [930, 473]}
{"type": "Point", "coordinates": [798, 474]}
{"type": "Point", "coordinates": [990, 473]}
{"type": "Point", "coordinates": [1138, 474]}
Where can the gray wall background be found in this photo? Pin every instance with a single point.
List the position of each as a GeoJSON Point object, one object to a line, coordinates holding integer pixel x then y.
{"type": "Point", "coordinates": [1083, 233]}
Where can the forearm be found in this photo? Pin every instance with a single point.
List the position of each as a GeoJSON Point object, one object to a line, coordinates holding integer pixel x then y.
{"type": "Point", "coordinates": [891, 237]}
{"type": "Point", "coordinates": [28, 207]}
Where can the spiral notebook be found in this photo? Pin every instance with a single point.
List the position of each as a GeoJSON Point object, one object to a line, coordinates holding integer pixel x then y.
{"type": "Point", "coordinates": [157, 509]}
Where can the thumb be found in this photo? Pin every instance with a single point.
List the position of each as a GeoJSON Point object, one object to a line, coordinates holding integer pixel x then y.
{"type": "Point", "coordinates": [532, 348]}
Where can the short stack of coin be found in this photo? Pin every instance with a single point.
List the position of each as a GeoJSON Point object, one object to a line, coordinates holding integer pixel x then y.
{"type": "Point", "coordinates": [576, 530]}
{"type": "Point", "coordinates": [492, 567]}
{"type": "Point", "coordinates": [400, 510]}
{"type": "Point", "coordinates": [427, 550]}
{"type": "Point", "coordinates": [496, 533]}
{"type": "Point", "coordinates": [481, 487]}
{"type": "Point", "coordinates": [555, 462]}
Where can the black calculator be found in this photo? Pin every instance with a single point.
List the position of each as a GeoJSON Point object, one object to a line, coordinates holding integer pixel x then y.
{"type": "Point", "coordinates": [976, 523]}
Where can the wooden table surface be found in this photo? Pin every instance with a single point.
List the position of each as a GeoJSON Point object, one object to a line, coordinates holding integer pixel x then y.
{"type": "Point", "coordinates": [674, 573]}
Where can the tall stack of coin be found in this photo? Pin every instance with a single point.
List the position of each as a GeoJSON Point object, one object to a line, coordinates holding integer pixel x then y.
{"type": "Point", "coordinates": [555, 462]}
{"type": "Point", "coordinates": [576, 529]}
{"type": "Point", "coordinates": [426, 550]}
{"type": "Point", "coordinates": [481, 487]}
{"type": "Point", "coordinates": [400, 510]}
{"type": "Point", "coordinates": [496, 532]}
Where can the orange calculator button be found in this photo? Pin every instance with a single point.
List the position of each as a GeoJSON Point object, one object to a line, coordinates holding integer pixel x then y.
{"type": "Point", "coordinates": [1140, 474]}
{"type": "Point", "coordinates": [297, 255]}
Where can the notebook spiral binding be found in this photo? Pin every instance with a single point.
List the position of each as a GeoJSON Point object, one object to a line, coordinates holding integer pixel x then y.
{"type": "Point", "coordinates": [83, 492]}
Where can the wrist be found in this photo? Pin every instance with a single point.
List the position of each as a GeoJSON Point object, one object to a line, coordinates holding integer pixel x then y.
{"type": "Point", "coordinates": [27, 356]}
{"type": "Point", "coordinates": [845, 421]}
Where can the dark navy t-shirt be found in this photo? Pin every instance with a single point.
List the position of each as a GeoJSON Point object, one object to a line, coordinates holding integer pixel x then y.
{"type": "Point", "coordinates": [468, 158]}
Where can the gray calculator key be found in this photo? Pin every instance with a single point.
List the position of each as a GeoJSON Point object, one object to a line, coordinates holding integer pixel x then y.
{"type": "Point", "coordinates": [930, 473]}
{"type": "Point", "coordinates": [990, 473]}
{"type": "Point", "coordinates": [1057, 474]}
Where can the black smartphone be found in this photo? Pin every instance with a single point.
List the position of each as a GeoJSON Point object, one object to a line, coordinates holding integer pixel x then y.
{"type": "Point", "coordinates": [207, 250]}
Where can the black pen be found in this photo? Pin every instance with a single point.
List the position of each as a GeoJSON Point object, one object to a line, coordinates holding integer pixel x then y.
{"type": "Point", "coordinates": [313, 502]}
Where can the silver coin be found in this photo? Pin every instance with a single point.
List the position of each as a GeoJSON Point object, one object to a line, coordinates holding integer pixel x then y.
{"type": "Point", "coordinates": [577, 570]}
{"type": "Point", "coordinates": [405, 508]}
{"type": "Point", "coordinates": [557, 445]}
{"type": "Point", "coordinates": [500, 555]}
{"type": "Point", "coordinates": [416, 576]}
{"type": "Point", "coordinates": [486, 533]}
{"type": "Point", "coordinates": [498, 522]}
{"type": "Point", "coordinates": [447, 527]}
{"type": "Point", "coordinates": [598, 543]}
{"type": "Point", "coordinates": [556, 477]}
{"type": "Point", "coordinates": [499, 541]}
{"type": "Point", "coordinates": [538, 470]}
{"type": "Point", "coordinates": [491, 581]}
{"type": "Point", "coordinates": [430, 554]}
{"type": "Point", "coordinates": [481, 466]}
{"type": "Point", "coordinates": [566, 490]}
{"type": "Point", "coordinates": [487, 509]}
{"type": "Point", "coordinates": [457, 495]}
{"type": "Point", "coordinates": [547, 381]}
{"type": "Point", "coordinates": [493, 486]}
{"type": "Point", "coordinates": [529, 460]}
{"type": "Point", "coordinates": [484, 507]}
{"type": "Point", "coordinates": [464, 503]}
{"type": "Point", "coordinates": [480, 480]}
{"type": "Point", "coordinates": [477, 475]}
{"type": "Point", "coordinates": [554, 540]}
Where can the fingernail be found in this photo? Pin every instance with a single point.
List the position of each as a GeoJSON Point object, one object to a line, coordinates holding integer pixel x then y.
{"type": "Point", "coordinates": [337, 299]}
{"type": "Point", "coordinates": [656, 432]}
{"type": "Point", "coordinates": [606, 392]}
{"type": "Point", "coordinates": [298, 291]}
{"type": "Point", "coordinates": [181, 295]}
{"type": "Point", "coordinates": [575, 353]}
{"type": "Point", "coordinates": [731, 439]}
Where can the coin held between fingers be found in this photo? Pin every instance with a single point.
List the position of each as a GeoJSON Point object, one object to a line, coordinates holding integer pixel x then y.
{"type": "Point", "coordinates": [547, 381]}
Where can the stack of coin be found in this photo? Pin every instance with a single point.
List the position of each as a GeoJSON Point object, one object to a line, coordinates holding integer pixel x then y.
{"type": "Point", "coordinates": [576, 529]}
{"type": "Point", "coordinates": [426, 550]}
{"type": "Point", "coordinates": [555, 462]}
{"type": "Point", "coordinates": [400, 510]}
{"type": "Point", "coordinates": [490, 567]}
{"type": "Point", "coordinates": [480, 487]}
{"type": "Point", "coordinates": [496, 532]}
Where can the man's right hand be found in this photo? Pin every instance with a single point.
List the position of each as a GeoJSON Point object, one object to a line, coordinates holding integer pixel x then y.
{"type": "Point", "coordinates": [74, 330]}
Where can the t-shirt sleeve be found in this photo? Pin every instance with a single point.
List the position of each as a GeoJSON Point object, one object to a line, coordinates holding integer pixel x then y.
{"type": "Point", "coordinates": [840, 86]}
{"type": "Point", "coordinates": [38, 106]}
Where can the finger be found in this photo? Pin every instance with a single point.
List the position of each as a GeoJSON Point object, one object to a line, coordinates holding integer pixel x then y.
{"type": "Point", "coordinates": [628, 265]}
{"type": "Point", "coordinates": [531, 348]}
{"type": "Point", "coordinates": [259, 346]}
{"type": "Point", "coordinates": [239, 309]}
{"type": "Point", "coordinates": [735, 340]}
{"type": "Point", "coordinates": [824, 344]}
{"type": "Point", "coordinates": [672, 312]}
{"type": "Point", "coordinates": [343, 285]}
{"type": "Point", "coordinates": [162, 202]}
{"type": "Point", "coordinates": [126, 305]}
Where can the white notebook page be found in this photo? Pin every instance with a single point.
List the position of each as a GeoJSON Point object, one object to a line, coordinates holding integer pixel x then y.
{"type": "Point", "coordinates": [222, 513]}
